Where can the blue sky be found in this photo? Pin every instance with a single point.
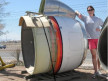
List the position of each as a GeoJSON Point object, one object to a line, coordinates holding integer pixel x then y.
{"type": "Point", "coordinates": [17, 8]}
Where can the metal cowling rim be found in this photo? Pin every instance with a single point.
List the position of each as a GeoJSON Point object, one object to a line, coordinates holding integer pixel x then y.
{"type": "Point", "coordinates": [59, 44]}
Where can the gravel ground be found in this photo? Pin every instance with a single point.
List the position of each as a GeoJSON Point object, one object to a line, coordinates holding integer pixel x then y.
{"type": "Point", "coordinates": [14, 74]}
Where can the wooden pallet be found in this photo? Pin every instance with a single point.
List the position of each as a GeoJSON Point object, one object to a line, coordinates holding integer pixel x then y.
{"type": "Point", "coordinates": [66, 76]}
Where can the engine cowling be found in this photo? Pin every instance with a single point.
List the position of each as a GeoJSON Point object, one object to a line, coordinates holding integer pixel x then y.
{"type": "Point", "coordinates": [102, 45]}
{"type": "Point", "coordinates": [66, 37]}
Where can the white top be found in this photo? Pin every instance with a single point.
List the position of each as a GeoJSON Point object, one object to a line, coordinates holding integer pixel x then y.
{"type": "Point", "coordinates": [91, 23]}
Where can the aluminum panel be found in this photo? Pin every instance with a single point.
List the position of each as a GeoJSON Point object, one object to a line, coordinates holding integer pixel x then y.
{"type": "Point", "coordinates": [73, 43]}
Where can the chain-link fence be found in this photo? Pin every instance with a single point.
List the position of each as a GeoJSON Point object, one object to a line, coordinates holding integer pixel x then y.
{"type": "Point", "coordinates": [13, 54]}
{"type": "Point", "coordinates": [10, 52]}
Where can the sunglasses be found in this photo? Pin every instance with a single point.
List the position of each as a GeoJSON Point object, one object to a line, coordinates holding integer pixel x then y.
{"type": "Point", "coordinates": [90, 10]}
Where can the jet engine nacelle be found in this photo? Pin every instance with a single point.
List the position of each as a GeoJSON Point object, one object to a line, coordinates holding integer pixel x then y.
{"type": "Point", "coordinates": [102, 45]}
{"type": "Point", "coordinates": [66, 38]}
{"type": "Point", "coordinates": [54, 41]}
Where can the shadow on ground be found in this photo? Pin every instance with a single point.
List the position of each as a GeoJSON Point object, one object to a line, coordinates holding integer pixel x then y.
{"type": "Point", "coordinates": [68, 76]}
{"type": "Point", "coordinates": [14, 74]}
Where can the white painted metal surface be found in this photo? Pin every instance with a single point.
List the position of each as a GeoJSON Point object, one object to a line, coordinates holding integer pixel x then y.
{"type": "Point", "coordinates": [74, 43]}
{"type": "Point", "coordinates": [34, 21]}
{"type": "Point", "coordinates": [66, 37]}
{"type": "Point", "coordinates": [42, 56]}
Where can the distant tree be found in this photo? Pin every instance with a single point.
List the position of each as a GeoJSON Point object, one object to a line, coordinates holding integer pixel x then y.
{"type": "Point", "coordinates": [2, 15]}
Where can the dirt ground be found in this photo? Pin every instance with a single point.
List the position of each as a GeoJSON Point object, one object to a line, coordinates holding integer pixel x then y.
{"type": "Point", "coordinates": [14, 74]}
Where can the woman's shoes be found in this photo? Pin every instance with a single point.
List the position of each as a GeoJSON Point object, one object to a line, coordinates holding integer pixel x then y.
{"type": "Point", "coordinates": [96, 74]}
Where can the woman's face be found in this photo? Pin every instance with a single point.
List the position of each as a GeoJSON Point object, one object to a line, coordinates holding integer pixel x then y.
{"type": "Point", "coordinates": [90, 11]}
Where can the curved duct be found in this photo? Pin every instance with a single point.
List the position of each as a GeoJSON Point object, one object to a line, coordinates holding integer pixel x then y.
{"type": "Point", "coordinates": [102, 46]}
{"type": "Point", "coordinates": [67, 40]}
{"type": "Point", "coordinates": [56, 8]}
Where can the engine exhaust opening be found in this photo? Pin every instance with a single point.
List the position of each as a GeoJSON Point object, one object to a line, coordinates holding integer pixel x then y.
{"type": "Point", "coordinates": [27, 41]}
{"type": "Point", "coordinates": [102, 45]}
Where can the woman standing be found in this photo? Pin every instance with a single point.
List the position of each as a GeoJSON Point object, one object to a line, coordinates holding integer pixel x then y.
{"type": "Point", "coordinates": [92, 26]}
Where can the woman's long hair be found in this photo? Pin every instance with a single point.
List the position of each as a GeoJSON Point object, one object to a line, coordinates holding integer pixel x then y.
{"type": "Point", "coordinates": [91, 8]}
